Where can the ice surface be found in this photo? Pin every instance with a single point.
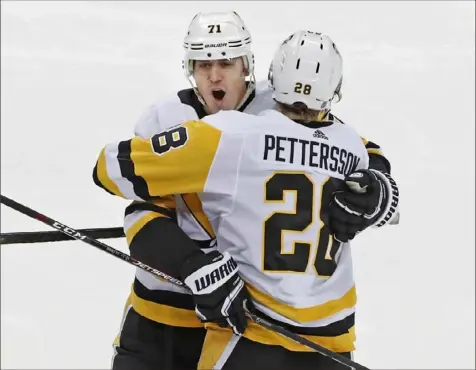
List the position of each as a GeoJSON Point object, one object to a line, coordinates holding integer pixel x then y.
{"type": "Point", "coordinates": [76, 75]}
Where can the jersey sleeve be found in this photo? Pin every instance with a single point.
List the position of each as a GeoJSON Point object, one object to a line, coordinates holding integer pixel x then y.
{"type": "Point", "coordinates": [148, 123]}
{"type": "Point", "coordinates": [138, 214]}
{"type": "Point", "coordinates": [377, 159]}
{"type": "Point", "coordinates": [176, 161]}
{"type": "Point", "coordinates": [152, 232]}
{"type": "Point", "coordinates": [163, 115]}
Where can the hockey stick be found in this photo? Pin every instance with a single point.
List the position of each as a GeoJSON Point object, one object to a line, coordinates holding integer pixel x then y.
{"type": "Point", "coordinates": [57, 236]}
{"type": "Point", "coordinates": [76, 234]}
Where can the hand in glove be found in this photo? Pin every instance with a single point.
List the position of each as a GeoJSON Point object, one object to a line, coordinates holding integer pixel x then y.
{"type": "Point", "coordinates": [219, 292]}
{"type": "Point", "coordinates": [369, 198]}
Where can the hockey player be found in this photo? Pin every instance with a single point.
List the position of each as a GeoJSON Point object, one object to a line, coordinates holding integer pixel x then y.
{"type": "Point", "coordinates": [274, 188]}
{"type": "Point", "coordinates": [159, 306]}
{"type": "Point", "coordinates": [160, 329]}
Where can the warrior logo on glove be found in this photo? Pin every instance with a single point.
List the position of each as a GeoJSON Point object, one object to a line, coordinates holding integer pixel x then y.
{"type": "Point", "coordinates": [218, 291]}
{"type": "Point", "coordinates": [216, 275]}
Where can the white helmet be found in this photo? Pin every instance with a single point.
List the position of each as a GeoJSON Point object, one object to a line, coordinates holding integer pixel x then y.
{"type": "Point", "coordinates": [214, 36]}
{"type": "Point", "coordinates": [306, 68]}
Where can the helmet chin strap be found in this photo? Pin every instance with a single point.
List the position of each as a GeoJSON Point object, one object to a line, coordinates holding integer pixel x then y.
{"type": "Point", "coordinates": [249, 90]}
{"type": "Point", "coordinates": [197, 93]}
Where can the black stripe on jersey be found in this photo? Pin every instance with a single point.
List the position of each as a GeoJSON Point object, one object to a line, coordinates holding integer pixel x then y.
{"type": "Point", "coordinates": [371, 145]}
{"type": "Point", "coordinates": [332, 330]}
{"type": "Point", "coordinates": [161, 237]}
{"type": "Point", "coordinates": [188, 97]}
{"type": "Point", "coordinates": [247, 101]}
{"type": "Point", "coordinates": [131, 208]}
{"type": "Point", "coordinates": [165, 297]}
{"type": "Point", "coordinates": [314, 124]}
{"type": "Point", "coordinates": [97, 182]}
{"type": "Point", "coordinates": [379, 162]}
{"type": "Point", "coordinates": [127, 170]}
{"type": "Point", "coordinates": [206, 244]}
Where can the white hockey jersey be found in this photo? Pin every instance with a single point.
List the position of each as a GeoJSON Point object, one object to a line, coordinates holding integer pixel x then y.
{"type": "Point", "coordinates": [183, 107]}
{"type": "Point", "coordinates": [261, 180]}
{"type": "Point", "coordinates": [153, 298]}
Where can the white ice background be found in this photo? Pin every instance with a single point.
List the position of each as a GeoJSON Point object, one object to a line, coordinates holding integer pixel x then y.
{"type": "Point", "coordinates": [76, 75]}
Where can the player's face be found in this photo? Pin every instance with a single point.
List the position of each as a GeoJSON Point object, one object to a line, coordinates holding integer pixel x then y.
{"type": "Point", "coordinates": [221, 83]}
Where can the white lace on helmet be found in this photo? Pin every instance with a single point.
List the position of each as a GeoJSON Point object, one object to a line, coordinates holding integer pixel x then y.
{"type": "Point", "coordinates": [307, 68]}
{"type": "Point", "coordinates": [215, 36]}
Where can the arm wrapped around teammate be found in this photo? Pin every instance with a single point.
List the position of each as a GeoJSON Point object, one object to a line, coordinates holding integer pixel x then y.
{"type": "Point", "coordinates": [219, 292]}
{"type": "Point", "coordinates": [368, 198]}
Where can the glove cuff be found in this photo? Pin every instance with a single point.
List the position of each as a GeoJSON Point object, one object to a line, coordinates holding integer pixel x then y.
{"type": "Point", "coordinates": [392, 199]}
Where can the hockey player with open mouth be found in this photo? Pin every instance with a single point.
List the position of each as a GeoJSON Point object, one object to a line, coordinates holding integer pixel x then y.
{"type": "Point", "coordinates": [160, 328]}
{"type": "Point", "coordinates": [163, 325]}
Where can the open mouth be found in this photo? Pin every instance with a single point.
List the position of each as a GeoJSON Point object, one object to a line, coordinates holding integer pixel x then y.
{"type": "Point", "coordinates": [218, 94]}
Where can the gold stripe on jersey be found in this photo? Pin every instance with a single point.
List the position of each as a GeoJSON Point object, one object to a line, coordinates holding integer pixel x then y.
{"type": "Point", "coordinates": [177, 171]}
{"type": "Point", "coordinates": [139, 224]}
{"type": "Point", "coordinates": [147, 307]}
{"type": "Point", "coordinates": [308, 314]}
{"type": "Point", "coordinates": [167, 202]}
{"type": "Point", "coordinates": [124, 313]}
{"type": "Point", "coordinates": [216, 342]}
{"type": "Point", "coordinates": [340, 343]}
{"type": "Point", "coordinates": [194, 205]}
{"type": "Point", "coordinates": [103, 177]}
{"type": "Point", "coordinates": [164, 314]}
{"type": "Point", "coordinates": [257, 333]}
{"type": "Point", "coordinates": [371, 147]}
{"type": "Point", "coordinates": [374, 151]}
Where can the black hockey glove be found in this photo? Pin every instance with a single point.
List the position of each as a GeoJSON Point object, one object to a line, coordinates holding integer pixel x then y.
{"type": "Point", "coordinates": [369, 198]}
{"type": "Point", "coordinates": [219, 292]}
